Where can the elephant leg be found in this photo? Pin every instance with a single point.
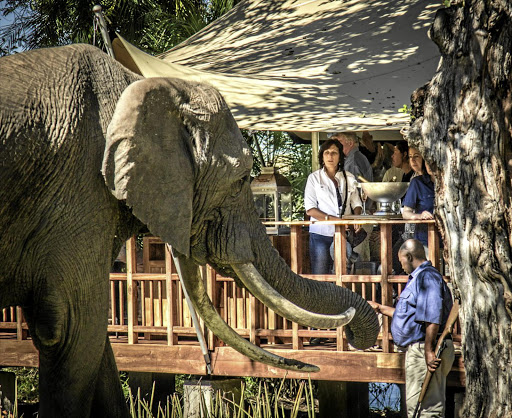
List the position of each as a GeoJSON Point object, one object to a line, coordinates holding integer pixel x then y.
{"type": "Point", "coordinates": [68, 322]}
{"type": "Point", "coordinates": [108, 387]}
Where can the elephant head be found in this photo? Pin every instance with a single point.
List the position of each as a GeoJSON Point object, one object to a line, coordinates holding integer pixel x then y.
{"type": "Point", "coordinates": [175, 155]}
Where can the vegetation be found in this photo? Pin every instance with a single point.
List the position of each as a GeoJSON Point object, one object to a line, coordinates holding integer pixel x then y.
{"type": "Point", "coordinates": [153, 25]}
{"type": "Point", "coordinates": [292, 160]}
{"type": "Point", "coordinates": [276, 398]}
{"type": "Point", "coordinates": [267, 402]}
{"type": "Point", "coordinates": [27, 383]}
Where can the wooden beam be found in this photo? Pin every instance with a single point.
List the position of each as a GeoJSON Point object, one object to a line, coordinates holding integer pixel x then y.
{"type": "Point", "coordinates": [172, 338]}
{"type": "Point", "coordinates": [131, 268]}
{"type": "Point", "coordinates": [386, 247]}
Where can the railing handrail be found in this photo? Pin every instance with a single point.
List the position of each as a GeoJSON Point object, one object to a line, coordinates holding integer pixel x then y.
{"type": "Point", "coordinates": [369, 219]}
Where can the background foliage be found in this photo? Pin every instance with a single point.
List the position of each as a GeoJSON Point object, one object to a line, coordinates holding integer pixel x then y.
{"type": "Point", "coordinates": [291, 159]}
{"type": "Point", "coordinates": [153, 25]}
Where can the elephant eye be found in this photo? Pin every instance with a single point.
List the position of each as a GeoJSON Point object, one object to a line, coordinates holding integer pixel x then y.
{"type": "Point", "coordinates": [238, 185]}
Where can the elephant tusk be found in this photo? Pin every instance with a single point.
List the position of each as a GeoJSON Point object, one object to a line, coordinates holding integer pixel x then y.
{"type": "Point", "coordinates": [204, 307]}
{"type": "Point", "coordinates": [259, 287]}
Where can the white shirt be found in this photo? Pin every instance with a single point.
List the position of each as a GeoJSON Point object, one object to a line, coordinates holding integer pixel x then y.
{"type": "Point", "coordinates": [320, 193]}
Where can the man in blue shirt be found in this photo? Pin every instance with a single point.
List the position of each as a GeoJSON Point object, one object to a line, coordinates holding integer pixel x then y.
{"type": "Point", "coordinates": [418, 318]}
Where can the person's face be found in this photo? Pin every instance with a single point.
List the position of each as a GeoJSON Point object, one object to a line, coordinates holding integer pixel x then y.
{"type": "Point", "coordinates": [405, 262]}
{"type": "Point", "coordinates": [331, 157]}
{"type": "Point", "coordinates": [415, 160]}
{"type": "Point", "coordinates": [346, 142]}
{"type": "Point", "coordinates": [397, 157]}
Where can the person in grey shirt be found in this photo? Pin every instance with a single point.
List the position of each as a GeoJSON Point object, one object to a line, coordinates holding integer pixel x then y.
{"type": "Point", "coordinates": [355, 161]}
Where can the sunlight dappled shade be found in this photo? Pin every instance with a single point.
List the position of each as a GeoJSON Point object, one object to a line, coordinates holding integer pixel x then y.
{"type": "Point", "coordinates": [309, 66]}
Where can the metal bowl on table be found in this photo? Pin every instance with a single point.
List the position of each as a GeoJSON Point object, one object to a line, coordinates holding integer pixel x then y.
{"type": "Point", "coordinates": [385, 193]}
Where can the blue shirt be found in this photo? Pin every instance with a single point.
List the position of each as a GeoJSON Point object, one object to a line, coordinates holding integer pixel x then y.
{"type": "Point", "coordinates": [420, 197]}
{"type": "Point", "coordinates": [426, 298]}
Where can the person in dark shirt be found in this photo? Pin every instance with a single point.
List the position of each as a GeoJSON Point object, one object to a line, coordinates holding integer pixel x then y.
{"type": "Point", "coordinates": [419, 200]}
{"type": "Point", "coordinates": [401, 170]}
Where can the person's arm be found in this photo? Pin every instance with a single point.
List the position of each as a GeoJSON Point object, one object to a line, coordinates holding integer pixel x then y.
{"type": "Point", "coordinates": [408, 213]}
{"type": "Point", "coordinates": [321, 216]}
{"type": "Point", "coordinates": [356, 205]}
{"type": "Point", "coordinates": [382, 309]}
{"type": "Point", "coordinates": [311, 200]}
{"type": "Point", "coordinates": [431, 331]}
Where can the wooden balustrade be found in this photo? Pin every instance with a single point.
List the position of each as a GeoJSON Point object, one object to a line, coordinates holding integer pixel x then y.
{"type": "Point", "coordinates": [157, 318]}
{"type": "Point", "coordinates": [148, 305]}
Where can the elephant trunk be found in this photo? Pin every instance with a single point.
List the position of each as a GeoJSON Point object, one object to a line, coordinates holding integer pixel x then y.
{"type": "Point", "coordinates": [315, 296]}
{"type": "Point", "coordinates": [253, 281]}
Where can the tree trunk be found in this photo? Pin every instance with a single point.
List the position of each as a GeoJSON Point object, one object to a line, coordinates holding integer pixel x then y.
{"type": "Point", "coordinates": [463, 128]}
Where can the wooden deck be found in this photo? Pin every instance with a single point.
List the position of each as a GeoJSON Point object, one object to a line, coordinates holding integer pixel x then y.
{"type": "Point", "coordinates": [151, 328]}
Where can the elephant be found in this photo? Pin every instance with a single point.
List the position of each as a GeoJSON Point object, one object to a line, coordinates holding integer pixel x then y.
{"type": "Point", "coordinates": [91, 154]}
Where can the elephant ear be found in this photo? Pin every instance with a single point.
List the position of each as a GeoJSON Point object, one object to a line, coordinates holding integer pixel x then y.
{"type": "Point", "coordinates": [148, 158]}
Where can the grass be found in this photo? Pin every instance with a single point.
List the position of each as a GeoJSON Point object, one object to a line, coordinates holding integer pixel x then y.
{"type": "Point", "coordinates": [266, 403]}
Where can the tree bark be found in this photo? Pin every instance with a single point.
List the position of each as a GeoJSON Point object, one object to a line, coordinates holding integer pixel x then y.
{"type": "Point", "coordinates": [463, 127]}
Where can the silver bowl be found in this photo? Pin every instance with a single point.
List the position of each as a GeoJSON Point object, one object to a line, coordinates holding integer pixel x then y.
{"type": "Point", "coordinates": [385, 192]}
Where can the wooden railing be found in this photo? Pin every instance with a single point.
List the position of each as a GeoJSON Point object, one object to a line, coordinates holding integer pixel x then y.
{"type": "Point", "coordinates": [148, 305]}
{"type": "Point", "coordinates": [147, 294]}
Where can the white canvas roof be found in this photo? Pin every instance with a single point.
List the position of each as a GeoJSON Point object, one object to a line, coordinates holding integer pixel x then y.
{"type": "Point", "coordinates": [311, 66]}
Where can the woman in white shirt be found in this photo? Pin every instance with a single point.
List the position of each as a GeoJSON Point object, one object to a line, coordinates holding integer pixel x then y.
{"type": "Point", "coordinates": [330, 193]}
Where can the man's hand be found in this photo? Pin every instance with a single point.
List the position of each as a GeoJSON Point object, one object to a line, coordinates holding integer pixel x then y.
{"type": "Point", "coordinates": [381, 309]}
{"type": "Point", "coordinates": [374, 305]}
{"type": "Point", "coordinates": [431, 330]}
{"type": "Point", "coordinates": [426, 215]}
{"type": "Point", "coordinates": [431, 360]}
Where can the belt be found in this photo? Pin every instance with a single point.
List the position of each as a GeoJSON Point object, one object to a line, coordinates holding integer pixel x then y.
{"type": "Point", "coordinates": [447, 337]}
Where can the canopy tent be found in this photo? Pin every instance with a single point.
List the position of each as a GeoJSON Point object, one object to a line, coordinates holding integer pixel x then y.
{"type": "Point", "coordinates": [310, 66]}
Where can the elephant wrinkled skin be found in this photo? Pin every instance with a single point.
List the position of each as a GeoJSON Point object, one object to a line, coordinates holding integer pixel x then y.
{"type": "Point", "coordinates": [91, 154]}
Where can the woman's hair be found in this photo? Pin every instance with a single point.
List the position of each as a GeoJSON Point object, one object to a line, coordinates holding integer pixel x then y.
{"type": "Point", "coordinates": [423, 167]}
{"type": "Point", "coordinates": [403, 146]}
{"type": "Point", "coordinates": [325, 146]}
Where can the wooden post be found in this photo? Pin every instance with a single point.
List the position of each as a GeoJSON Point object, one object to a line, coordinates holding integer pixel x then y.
{"type": "Point", "coordinates": [131, 268]}
{"type": "Point", "coordinates": [296, 248]}
{"type": "Point", "coordinates": [386, 264]}
{"type": "Point", "coordinates": [296, 263]}
{"type": "Point", "coordinates": [20, 333]}
{"type": "Point", "coordinates": [340, 251]}
{"type": "Point", "coordinates": [433, 245]}
{"type": "Point", "coordinates": [253, 318]}
{"type": "Point", "coordinates": [340, 268]}
{"type": "Point", "coordinates": [172, 338]}
{"type": "Point", "coordinates": [315, 145]}
{"type": "Point", "coordinates": [343, 399]}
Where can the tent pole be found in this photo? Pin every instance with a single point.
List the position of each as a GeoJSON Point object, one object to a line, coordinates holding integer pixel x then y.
{"type": "Point", "coordinates": [315, 145]}
{"type": "Point", "coordinates": [98, 15]}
